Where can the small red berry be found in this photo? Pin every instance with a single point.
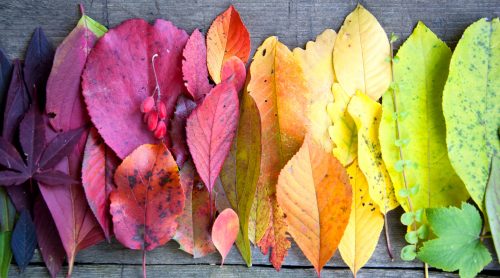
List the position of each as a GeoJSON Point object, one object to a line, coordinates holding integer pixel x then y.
{"type": "Point", "coordinates": [152, 120]}
{"type": "Point", "coordinates": [160, 130]}
{"type": "Point", "coordinates": [162, 111]}
{"type": "Point", "coordinates": [147, 104]}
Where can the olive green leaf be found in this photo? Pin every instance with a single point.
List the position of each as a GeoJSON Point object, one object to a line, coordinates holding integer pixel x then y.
{"type": "Point", "coordinates": [471, 105]}
{"type": "Point", "coordinates": [419, 75]}
{"type": "Point", "coordinates": [493, 203]}
{"type": "Point", "coordinates": [5, 253]}
{"type": "Point", "coordinates": [458, 245]}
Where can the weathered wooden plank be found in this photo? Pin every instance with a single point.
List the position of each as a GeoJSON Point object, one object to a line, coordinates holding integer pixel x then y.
{"type": "Point", "coordinates": [112, 270]}
{"type": "Point", "coordinates": [293, 21]}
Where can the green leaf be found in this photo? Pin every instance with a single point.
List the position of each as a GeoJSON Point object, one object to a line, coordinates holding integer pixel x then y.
{"type": "Point", "coordinates": [423, 231]}
{"type": "Point", "coordinates": [403, 193]}
{"type": "Point", "coordinates": [5, 253]}
{"type": "Point", "coordinates": [420, 74]}
{"type": "Point", "coordinates": [7, 212]}
{"type": "Point", "coordinates": [471, 105]}
{"type": "Point", "coordinates": [419, 215]}
{"type": "Point", "coordinates": [457, 246]}
{"type": "Point", "coordinates": [409, 252]}
{"type": "Point", "coordinates": [95, 27]}
{"type": "Point", "coordinates": [414, 189]}
{"type": "Point", "coordinates": [241, 171]}
{"type": "Point", "coordinates": [407, 218]}
{"type": "Point", "coordinates": [493, 203]}
{"type": "Point", "coordinates": [411, 237]}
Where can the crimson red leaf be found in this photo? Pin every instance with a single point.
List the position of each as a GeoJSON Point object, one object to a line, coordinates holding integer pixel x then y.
{"type": "Point", "coordinates": [99, 164]}
{"type": "Point", "coordinates": [49, 242]}
{"type": "Point", "coordinates": [18, 101]}
{"type": "Point", "coordinates": [9, 157]}
{"type": "Point", "coordinates": [62, 145]}
{"type": "Point", "coordinates": [178, 129]}
{"type": "Point", "coordinates": [37, 64]}
{"type": "Point", "coordinates": [23, 242]}
{"type": "Point", "coordinates": [148, 219]}
{"type": "Point", "coordinates": [234, 69]}
{"type": "Point", "coordinates": [119, 76]}
{"type": "Point", "coordinates": [225, 231]}
{"type": "Point", "coordinates": [194, 66]}
{"type": "Point", "coordinates": [210, 130]}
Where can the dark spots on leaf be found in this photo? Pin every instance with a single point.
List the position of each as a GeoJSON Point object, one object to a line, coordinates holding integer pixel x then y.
{"type": "Point", "coordinates": [165, 179]}
{"type": "Point", "coordinates": [264, 52]}
{"type": "Point", "coordinates": [132, 181]}
{"type": "Point", "coordinates": [148, 175]}
{"type": "Point", "coordinates": [372, 209]}
{"type": "Point", "coordinates": [51, 115]}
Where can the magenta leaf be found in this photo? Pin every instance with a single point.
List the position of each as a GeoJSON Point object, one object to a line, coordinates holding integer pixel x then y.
{"type": "Point", "coordinates": [234, 70]}
{"type": "Point", "coordinates": [210, 131]}
{"type": "Point", "coordinates": [119, 75]}
{"type": "Point", "coordinates": [178, 129]}
{"type": "Point", "coordinates": [194, 66]}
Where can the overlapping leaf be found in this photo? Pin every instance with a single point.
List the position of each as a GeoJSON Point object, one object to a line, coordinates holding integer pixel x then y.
{"type": "Point", "coordinates": [117, 78]}
{"type": "Point", "coordinates": [224, 231]}
{"type": "Point", "coordinates": [492, 203]}
{"type": "Point", "coordinates": [17, 103]}
{"type": "Point", "coordinates": [194, 66]}
{"type": "Point", "coordinates": [177, 129]}
{"type": "Point", "coordinates": [23, 240]}
{"type": "Point", "coordinates": [314, 192]}
{"type": "Point", "coordinates": [471, 105]}
{"type": "Point", "coordinates": [5, 76]}
{"type": "Point", "coordinates": [37, 64]}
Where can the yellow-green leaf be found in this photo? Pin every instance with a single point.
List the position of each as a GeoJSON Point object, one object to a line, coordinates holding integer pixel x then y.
{"type": "Point", "coordinates": [360, 54]}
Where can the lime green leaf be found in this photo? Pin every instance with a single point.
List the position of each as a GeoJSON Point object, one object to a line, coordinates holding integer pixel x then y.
{"type": "Point", "coordinates": [420, 75]}
{"type": "Point", "coordinates": [95, 27]}
{"type": "Point", "coordinates": [407, 218]}
{"type": "Point", "coordinates": [471, 105]}
{"type": "Point", "coordinates": [423, 231]}
{"type": "Point", "coordinates": [5, 253]}
{"type": "Point", "coordinates": [493, 203]}
{"type": "Point", "coordinates": [457, 246]}
{"type": "Point", "coordinates": [409, 252]}
{"type": "Point", "coordinates": [411, 237]}
{"type": "Point", "coordinates": [366, 114]}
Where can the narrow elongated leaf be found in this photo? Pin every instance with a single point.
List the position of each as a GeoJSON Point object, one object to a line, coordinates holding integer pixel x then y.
{"type": "Point", "coordinates": [280, 92]}
{"type": "Point", "coordinates": [471, 105]}
{"type": "Point", "coordinates": [492, 201]}
{"type": "Point", "coordinates": [32, 137]}
{"type": "Point", "coordinates": [420, 75]}
{"type": "Point", "coordinates": [49, 242]}
{"type": "Point", "coordinates": [9, 157]}
{"type": "Point", "coordinates": [365, 223]}
{"type": "Point", "coordinates": [343, 133]}
{"type": "Point", "coordinates": [225, 231]}
{"type": "Point", "coordinates": [64, 100]}
{"type": "Point", "coordinates": [17, 103]}
{"type": "Point", "coordinates": [5, 253]}
{"type": "Point", "coordinates": [117, 78]}
{"type": "Point", "coordinates": [23, 240]}
{"type": "Point", "coordinates": [10, 178]}
{"type": "Point", "coordinates": [194, 66]}
{"type": "Point", "coordinates": [226, 37]}
{"type": "Point", "coordinates": [177, 130]}
{"type": "Point", "coordinates": [360, 55]}
{"type": "Point", "coordinates": [37, 63]}
{"type": "Point", "coordinates": [55, 177]}
{"type": "Point", "coordinates": [99, 164]}
{"type": "Point", "coordinates": [7, 212]}
{"type": "Point", "coordinates": [366, 113]}
{"type": "Point", "coordinates": [315, 194]}
{"type": "Point", "coordinates": [148, 219]}
{"type": "Point", "coordinates": [193, 232]}
{"type": "Point", "coordinates": [241, 171]}
{"type": "Point", "coordinates": [62, 145]}
{"type": "Point", "coordinates": [210, 130]}
{"type": "Point", "coordinates": [5, 76]}
{"type": "Point", "coordinates": [316, 61]}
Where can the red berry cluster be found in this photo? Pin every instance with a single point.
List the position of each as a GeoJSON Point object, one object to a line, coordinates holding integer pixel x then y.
{"type": "Point", "coordinates": [154, 116]}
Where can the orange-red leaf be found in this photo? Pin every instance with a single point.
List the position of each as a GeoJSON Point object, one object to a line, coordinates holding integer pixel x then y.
{"type": "Point", "coordinates": [148, 198]}
{"type": "Point", "coordinates": [314, 192]}
{"type": "Point", "coordinates": [225, 231]}
{"type": "Point", "coordinates": [226, 37]}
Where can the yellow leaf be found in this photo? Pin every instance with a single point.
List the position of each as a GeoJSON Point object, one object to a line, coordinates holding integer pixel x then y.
{"type": "Point", "coordinates": [316, 62]}
{"type": "Point", "coordinates": [314, 192]}
{"type": "Point", "coordinates": [366, 113]}
{"type": "Point", "coordinates": [365, 223]}
{"type": "Point", "coordinates": [360, 54]}
{"type": "Point", "coordinates": [343, 133]}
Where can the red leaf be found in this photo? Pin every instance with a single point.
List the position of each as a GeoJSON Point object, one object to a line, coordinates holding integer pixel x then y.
{"type": "Point", "coordinates": [99, 164]}
{"type": "Point", "coordinates": [178, 129]}
{"type": "Point", "coordinates": [225, 231]}
{"type": "Point", "coordinates": [193, 232]}
{"type": "Point", "coordinates": [119, 76]}
{"type": "Point", "coordinates": [194, 66]}
{"type": "Point", "coordinates": [234, 69]}
{"type": "Point", "coordinates": [148, 198]}
{"type": "Point", "coordinates": [210, 131]}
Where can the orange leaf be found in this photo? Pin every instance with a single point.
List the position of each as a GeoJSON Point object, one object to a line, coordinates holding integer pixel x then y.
{"type": "Point", "coordinates": [148, 198]}
{"type": "Point", "coordinates": [226, 37]}
{"type": "Point", "coordinates": [281, 94]}
{"type": "Point", "coordinates": [314, 192]}
{"type": "Point", "coordinates": [225, 231]}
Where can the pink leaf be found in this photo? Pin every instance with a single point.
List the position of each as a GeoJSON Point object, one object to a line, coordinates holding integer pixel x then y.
{"type": "Point", "coordinates": [234, 69]}
{"type": "Point", "coordinates": [119, 76]}
{"type": "Point", "coordinates": [210, 131]}
{"type": "Point", "coordinates": [194, 66]}
{"type": "Point", "coordinates": [225, 231]}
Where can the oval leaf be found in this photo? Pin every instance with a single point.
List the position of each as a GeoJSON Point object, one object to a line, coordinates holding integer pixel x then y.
{"type": "Point", "coordinates": [194, 66]}
{"type": "Point", "coordinates": [23, 240]}
{"type": "Point", "coordinates": [225, 231]}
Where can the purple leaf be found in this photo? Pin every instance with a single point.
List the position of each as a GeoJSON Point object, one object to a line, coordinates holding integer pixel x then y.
{"type": "Point", "coordinates": [17, 104]}
{"type": "Point", "coordinates": [5, 75]}
{"type": "Point", "coordinates": [177, 132]}
{"type": "Point", "coordinates": [62, 145]}
{"type": "Point", "coordinates": [23, 242]}
{"type": "Point", "coordinates": [37, 64]}
{"type": "Point", "coordinates": [55, 177]}
{"type": "Point", "coordinates": [32, 136]}
{"type": "Point", "coordinates": [9, 156]}
{"type": "Point", "coordinates": [49, 242]}
{"type": "Point", "coordinates": [9, 178]}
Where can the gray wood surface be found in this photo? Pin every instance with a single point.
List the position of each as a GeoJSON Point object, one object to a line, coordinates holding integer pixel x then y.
{"type": "Point", "coordinates": [294, 22]}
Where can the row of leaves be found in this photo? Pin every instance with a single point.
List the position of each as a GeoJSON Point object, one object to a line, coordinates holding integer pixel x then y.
{"type": "Point", "coordinates": [265, 153]}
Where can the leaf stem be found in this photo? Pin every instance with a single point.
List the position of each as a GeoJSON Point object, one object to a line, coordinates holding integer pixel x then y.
{"type": "Point", "coordinates": [157, 87]}
{"type": "Point", "coordinates": [388, 239]}
{"type": "Point", "coordinates": [426, 270]}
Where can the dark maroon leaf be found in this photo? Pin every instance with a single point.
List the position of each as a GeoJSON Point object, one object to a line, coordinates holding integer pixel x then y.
{"type": "Point", "coordinates": [177, 132]}
{"type": "Point", "coordinates": [9, 178]}
{"type": "Point", "coordinates": [37, 64]}
{"type": "Point", "coordinates": [23, 242]}
{"type": "Point", "coordinates": [5, 75]}
{"type": "Point", "coordinates": [32, 137]}
{"type": "Point", "coordinates": [17, 103]}
{"type": "Point", "coordinates": [49, 242]}
{"type": "Point", "coordinates": [9, 157]}
{"type": "Point", "coordinates": [62, 145]}
{"type": "Point", "coordinates": [55, 177]}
